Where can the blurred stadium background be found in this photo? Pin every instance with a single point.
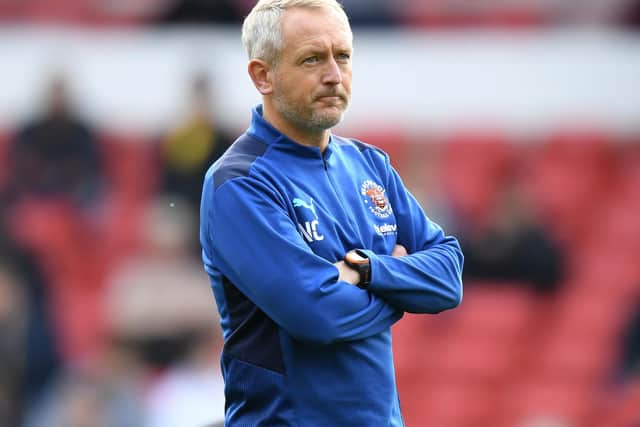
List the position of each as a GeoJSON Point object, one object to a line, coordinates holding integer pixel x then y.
{"type": "Point", "coordinates": [515, 123]}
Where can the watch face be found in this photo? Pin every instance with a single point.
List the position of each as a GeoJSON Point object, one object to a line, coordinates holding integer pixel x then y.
{"type": "Point", "coordinates": [356, 258]}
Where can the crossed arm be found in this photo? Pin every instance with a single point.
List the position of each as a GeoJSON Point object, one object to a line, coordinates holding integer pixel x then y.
{"type": "Point", "coordinates": [259, 250]}
{"type": "Point", "coordinates": [269, 262]}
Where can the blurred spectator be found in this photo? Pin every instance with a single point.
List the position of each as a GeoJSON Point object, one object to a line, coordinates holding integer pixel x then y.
{"type": "Point", "coordinates": [83, 398]}
{"type": "Point", "coordinates": [629, 365]}
{"type": "Point", "coordinates": [28, 353]}
{"type": "Point", "coordinates": [201, 12]}
{"type": "Point", "coordinates": [422, 167]}
{"type": "Point", "coordinates": [13, 326]}
{"type": "Point", "coordinates": [513, 246]}
{"type": "Point", "coordinates": [158, 300]}
{"type": "Point", "coordinates": [190, 393]}
{"type": "Point", "coordinates": [631, 15]}
{"type": "Point", "coordinates": [55, 155]}
{"type": "Point", "coordinates": [159, 310]}
{"type": "Point", "coordinates": [189, 150]}
{"type": "Point", "coordinates": [369, 12]}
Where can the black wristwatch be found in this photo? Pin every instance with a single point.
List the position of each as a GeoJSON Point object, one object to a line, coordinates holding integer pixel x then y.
{"type": "Point", "coordinates": [359, 261]}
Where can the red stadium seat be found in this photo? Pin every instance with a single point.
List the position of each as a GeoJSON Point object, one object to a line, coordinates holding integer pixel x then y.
{"type": "Point", "coordinates": [626, 412]}
{"type": "Point", "coordinates": [606, 269]}
{"type": "Point", "coordinates": [393, 142]}
{"type": "Point", "coordinates": [131, 166]}
{"type": "Point", "coordinates": [78, 314]}
{"type": "Point", "coordinates": [588, 314]}
{"type": "Point", "coordinates": [628, 172]}
{"type": "Point", "coordinates": [618, 224]}
{"type": "Point", "coordinates": [433, 14]}
{"type": "Point", "coordinates": [446, 404]}
{"type": "Point", "coordinates": [495, 311]}
{"type": "Point", "coordinates": [57, 11]}
{"type": "Point", "coordinates": [132, 174]}
{"type": "Point", "coordinates": [583, 361]}
{"type": "Point", "coordinates": [568, 177]}
{"type": "Point", "coordinates": [474, 360]}
{"type": "Point", "coordinates": [619, 406]}
{"type": "Point", "coordinates": [65, 245]}
{"type": "Point", "coordinates": [411, 345]}
{"type": "Point", "coordinates": [475, 164]}
{"type": "Point", "coordinates": [551, 400]}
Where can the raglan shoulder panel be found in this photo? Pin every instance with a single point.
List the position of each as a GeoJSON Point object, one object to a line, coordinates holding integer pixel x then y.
{"type": "Point", "coordinates": [238, 159]}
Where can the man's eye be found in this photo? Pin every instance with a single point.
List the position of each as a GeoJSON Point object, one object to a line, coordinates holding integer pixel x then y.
{"type": "Point", "coordinates": [344, 57]}
{"type": "Point", "coordinates": [311, 60]}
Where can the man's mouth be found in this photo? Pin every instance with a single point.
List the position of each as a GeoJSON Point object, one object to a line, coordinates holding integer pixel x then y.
{"type": "Point", "coordinates": [331, 98]}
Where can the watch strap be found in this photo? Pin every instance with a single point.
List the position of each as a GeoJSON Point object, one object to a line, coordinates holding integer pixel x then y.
{"type": "Point", "coordinates": [363, 267]}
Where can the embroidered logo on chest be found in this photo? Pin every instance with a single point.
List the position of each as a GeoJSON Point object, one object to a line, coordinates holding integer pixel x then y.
{"type": "Point", "coordinates": [375, 199]}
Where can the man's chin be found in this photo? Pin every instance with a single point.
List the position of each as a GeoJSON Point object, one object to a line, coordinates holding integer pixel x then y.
{"type": "Point", "coordinates": [327, 121]}
{"type": "Point", "coordinates": [331, 113]}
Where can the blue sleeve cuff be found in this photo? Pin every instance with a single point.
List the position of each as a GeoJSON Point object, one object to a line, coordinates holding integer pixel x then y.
{"type": "Point", "coordinates": [374, 260]}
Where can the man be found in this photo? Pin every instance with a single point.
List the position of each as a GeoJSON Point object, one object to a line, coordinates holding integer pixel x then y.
{"type": "Point", "coordinates": [313, 246]}
{"type": "Point", "coordinates": [56, 156]}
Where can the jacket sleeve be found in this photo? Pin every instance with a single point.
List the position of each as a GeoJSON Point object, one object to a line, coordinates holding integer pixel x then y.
{"type": "Point", "coordinates": [429, 279]}
{"type": "Point", "coordinates": [256, 245]}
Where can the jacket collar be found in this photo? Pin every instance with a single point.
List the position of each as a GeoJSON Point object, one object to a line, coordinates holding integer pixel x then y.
{"type": "Point", "coordinates": [265, 131]}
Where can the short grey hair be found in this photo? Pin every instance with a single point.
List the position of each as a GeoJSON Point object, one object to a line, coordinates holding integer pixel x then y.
{"type": "Point", "coordinates": [262, 28]}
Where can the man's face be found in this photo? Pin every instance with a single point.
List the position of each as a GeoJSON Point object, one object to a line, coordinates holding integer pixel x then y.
{"type": "Point", "coordinates": [312, 81]}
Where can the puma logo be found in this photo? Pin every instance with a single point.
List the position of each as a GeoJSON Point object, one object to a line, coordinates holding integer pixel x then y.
{"type": "Point", "coordinates": [297, 202]}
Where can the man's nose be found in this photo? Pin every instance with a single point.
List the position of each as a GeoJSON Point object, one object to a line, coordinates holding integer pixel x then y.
{"type": "Point", "coordinates": [332, 73]}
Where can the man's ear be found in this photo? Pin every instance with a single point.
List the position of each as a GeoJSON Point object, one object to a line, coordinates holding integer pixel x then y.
{"type": "Point", "coordinates": [261, 75]}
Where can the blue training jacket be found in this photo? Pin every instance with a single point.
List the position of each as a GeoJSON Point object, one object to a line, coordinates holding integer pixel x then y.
{"type": "Point", "coordinates": [301, 347]}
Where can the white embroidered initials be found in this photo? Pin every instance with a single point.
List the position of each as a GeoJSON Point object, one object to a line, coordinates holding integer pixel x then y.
{"type": "Point", "coordinates": [310, 231]}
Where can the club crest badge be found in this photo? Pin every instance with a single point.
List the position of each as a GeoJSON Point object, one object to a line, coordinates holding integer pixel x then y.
{"type": "Point", "coordinates": [376, 199]}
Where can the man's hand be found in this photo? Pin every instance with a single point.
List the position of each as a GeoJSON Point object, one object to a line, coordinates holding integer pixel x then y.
{"type": "Point", "coordinates": [347, 273]}
{"type": "Point", "coordinates": [399, 251]}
